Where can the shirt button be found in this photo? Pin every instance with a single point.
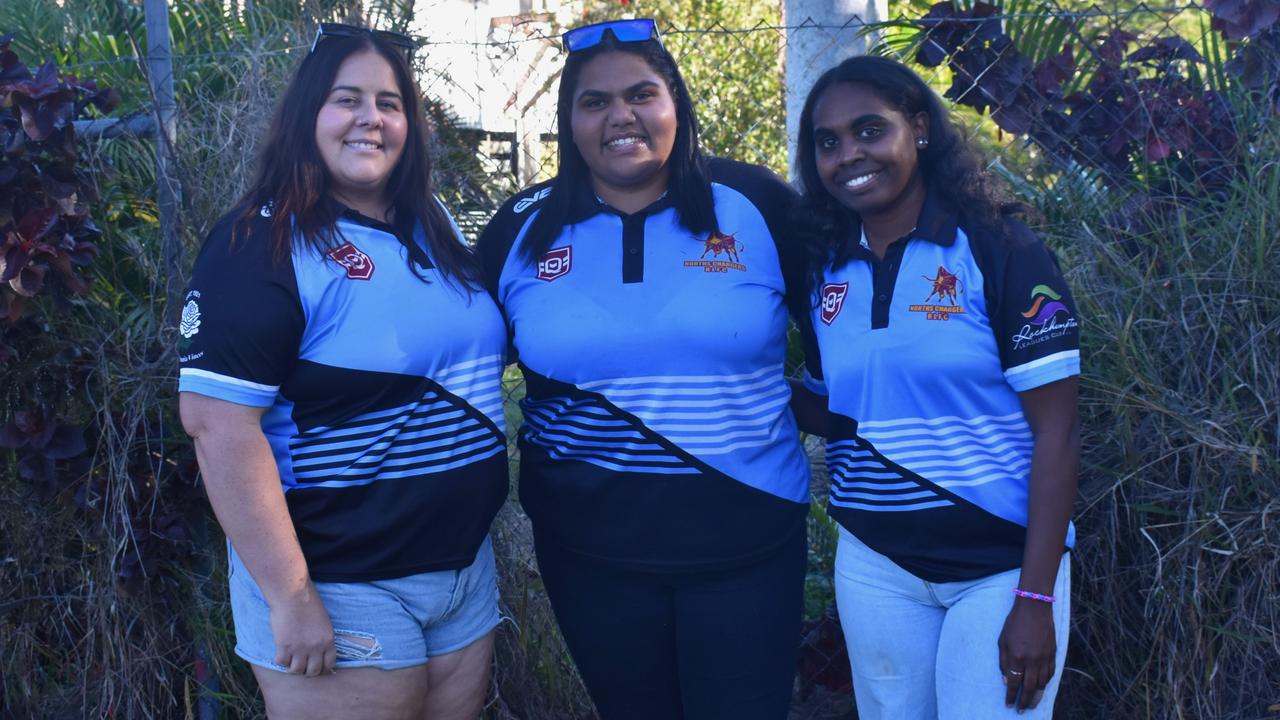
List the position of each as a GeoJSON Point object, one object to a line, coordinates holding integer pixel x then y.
{"type": "Point", "coordinates": [633, 251]}
{"type": "Point", "coordinates": [882, 297]}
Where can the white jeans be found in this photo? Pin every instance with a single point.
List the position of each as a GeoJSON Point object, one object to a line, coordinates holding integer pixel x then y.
{"type": "Point", "coordinates": [928, 651]}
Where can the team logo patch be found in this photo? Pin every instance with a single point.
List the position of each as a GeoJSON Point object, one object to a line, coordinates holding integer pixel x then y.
{"type": "Point", "coordinates": [555, 263]}
{"type": "Point", "coordinates": [946, 286]}
{"type": "Point", "coordinates": [718, 244]}
{"type": "Point", "coordinates": [189, 325]}
{"type": "Point", "coordinates": [1047, 318]}
{"type": "Point", "coordinates": [833, 300]}
{"type": "Point", "coordinates": [358, 265]}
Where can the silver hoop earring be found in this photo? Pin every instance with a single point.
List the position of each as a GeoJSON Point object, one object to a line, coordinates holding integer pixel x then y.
{"type": "Point", "coordinates": [922, 143]}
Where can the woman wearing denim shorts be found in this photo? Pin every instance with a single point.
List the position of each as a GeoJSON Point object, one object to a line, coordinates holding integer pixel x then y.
{"type": "Point", "coordinates": [945, 345]}
{"type": "Point", "coordinates": [340, 374]}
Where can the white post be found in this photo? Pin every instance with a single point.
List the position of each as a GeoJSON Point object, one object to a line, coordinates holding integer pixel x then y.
{"type": "Point", "coordinates": [821, 33]}
{"type": "Point", "coordinates": [168, 189]}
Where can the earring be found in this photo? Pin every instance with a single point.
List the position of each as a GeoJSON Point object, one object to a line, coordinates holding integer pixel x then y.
{"type": "Point", "coordinates": [922, 143]}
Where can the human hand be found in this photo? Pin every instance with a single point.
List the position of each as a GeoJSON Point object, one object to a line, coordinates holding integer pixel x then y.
{"type": "Point", "coordinates": [303, 634]}
{"type": "Point", "coordinates": [1027, 651]}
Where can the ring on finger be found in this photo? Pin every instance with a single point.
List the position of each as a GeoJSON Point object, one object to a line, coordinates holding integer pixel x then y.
{"type": "Point", "coordinates": [1015, 673]}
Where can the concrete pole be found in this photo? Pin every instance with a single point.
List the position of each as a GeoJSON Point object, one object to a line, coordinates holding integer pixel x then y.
{"type": "Point", "coordinates": [821, 33]}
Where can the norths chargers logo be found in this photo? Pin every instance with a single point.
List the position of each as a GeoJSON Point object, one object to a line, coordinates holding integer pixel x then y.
{"type": "Point", "coordinates": [718, 244]}
{"type": "Point", "coordinates": [1047, 318]}
{"type": "Point", "coordinates": [946, 285]}
{"type": "Point", "coordinates": [833, 300]}
{"type": "Point", "coordinates": [555, 263]}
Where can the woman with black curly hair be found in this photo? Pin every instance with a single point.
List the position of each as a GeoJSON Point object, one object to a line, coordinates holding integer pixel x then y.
{"type": "Point", "coordinates": [944, 343]}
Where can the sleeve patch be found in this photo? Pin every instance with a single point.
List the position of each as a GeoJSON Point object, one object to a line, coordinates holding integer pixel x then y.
{"type": "Point", "coordinates": [1046, 317]}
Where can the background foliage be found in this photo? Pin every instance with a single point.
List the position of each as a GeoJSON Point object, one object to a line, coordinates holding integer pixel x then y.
{"type": "Point", "coordinates": [1147, 140]}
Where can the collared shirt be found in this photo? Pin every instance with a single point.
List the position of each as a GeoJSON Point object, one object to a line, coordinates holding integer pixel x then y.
{"type": "Point", "coordinates": [922, 356]}
{"type": "Point", "coordinates": [382, 392]}
{"type": "Point", "coordinates": [657, 429]}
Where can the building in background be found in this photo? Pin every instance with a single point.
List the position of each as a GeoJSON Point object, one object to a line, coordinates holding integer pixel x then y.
{"type": "Point", "coordinates": [495, 64]}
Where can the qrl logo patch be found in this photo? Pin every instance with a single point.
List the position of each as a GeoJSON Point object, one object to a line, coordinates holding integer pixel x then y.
{"type": "Point", "coordinates": [359, 266]}
{"type": "Point", "coordinates": [555, 263]}
{"type": "Point", "coordinates": [832, 300]}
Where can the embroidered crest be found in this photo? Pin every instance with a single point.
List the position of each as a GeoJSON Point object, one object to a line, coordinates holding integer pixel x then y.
{"type": "Point", "coordinates": [833, 295]}
{"type": "Point", "coordinates": [718, 244]}
{"type": "Point", "coordinates": [190, 323]}
{"type": "Point", "coordinates": [358, 265]}
{"type": "Point", "coordinates": [946, 285]}
{"type": "Point", "coordinates": [555, 263]}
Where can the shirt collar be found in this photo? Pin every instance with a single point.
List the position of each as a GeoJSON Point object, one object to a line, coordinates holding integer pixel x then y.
{"type": "Point", "coordinates": [587, 204]}
{"type": "Point", "coordinates": [937, 223]}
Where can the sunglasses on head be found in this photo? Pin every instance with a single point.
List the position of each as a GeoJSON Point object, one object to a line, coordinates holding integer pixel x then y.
{"type": "Point", "coordinates": [404, 42]}
{"type": "Point", "coordinates": [638, 30]}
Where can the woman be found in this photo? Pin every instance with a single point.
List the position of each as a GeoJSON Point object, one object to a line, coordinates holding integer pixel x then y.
{"type": "Point", "coordinates": [340, 370]}
{"type": "Point", "coordinates": [948, 349]}
{"type": "Point", "coordinates": [660, 466]}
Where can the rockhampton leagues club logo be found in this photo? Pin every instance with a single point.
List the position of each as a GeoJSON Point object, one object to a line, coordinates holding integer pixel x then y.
{"type": "Point", "coordinates": [358, 265]}
{"type": "Point", "coordinates": [833, 300]}
{"type": "Point", "coordinates": [946, 286]}
{"type": "Point", "coordinates": [555, 263]}
{"type": "Point", "coordinates": [189, 324]}
{"type": "Point", "coordinates": [718, 244]}
{"type": "Point", "coordinates": [1047, 318]}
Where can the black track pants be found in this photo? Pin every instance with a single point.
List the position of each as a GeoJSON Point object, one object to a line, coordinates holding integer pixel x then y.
{"type": "Point", "coordinates": [681, 645]}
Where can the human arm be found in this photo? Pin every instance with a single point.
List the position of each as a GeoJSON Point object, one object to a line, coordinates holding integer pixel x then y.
{"type": "Point", "coordinates": [1026, 642]}
{"type": "Point", "coordinates": [243, 485]}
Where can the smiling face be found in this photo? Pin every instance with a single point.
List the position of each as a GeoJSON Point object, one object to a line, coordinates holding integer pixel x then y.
{"type": "Point", "coordinates": [624, 125]}
{"type": "Point", "coordinates": [361, 131]}
{"type": "Point", "coordinates": [867, 155]}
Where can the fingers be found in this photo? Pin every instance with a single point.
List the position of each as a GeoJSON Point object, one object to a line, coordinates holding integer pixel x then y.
{"type": "Point", "coordinates": [1013, 683]}
{"type": "Point", "coordinates": [1031, 684]}
{"type": "Point", "coordinates": [1025, 690]}
{"type": "Point", "coordinates": [309, 663]}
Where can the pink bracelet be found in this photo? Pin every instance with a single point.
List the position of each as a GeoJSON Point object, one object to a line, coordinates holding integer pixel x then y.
{"type": "Point", "coordinates": [1034, 596]}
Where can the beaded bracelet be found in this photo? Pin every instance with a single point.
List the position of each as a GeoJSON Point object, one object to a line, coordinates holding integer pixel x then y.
{"type": "Point", "coordinates": [1034, 596]}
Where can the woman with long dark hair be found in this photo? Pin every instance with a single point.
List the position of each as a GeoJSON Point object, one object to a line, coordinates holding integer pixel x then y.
{"type": "Point", "coordinates": [944, 342]}
{"type": "Point", "coordinates": [340, 375]}
{"type": "Point", "coordinates": [645, 290]}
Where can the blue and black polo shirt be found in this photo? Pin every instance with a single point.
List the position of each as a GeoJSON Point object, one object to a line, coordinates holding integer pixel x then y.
{"type": "Point", "coordinates": [657, 429]}
{"type": "Point", "coordinates": [383, 391]}
{"type": "Point", "coordinates": [922, 355]}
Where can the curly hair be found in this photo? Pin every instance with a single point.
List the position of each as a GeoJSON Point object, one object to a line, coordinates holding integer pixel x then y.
{"type": "Point", "coordinates": [950, 167]}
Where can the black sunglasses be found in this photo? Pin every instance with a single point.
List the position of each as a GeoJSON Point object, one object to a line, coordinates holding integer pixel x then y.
{"type": "Point", "coordinates": [638, 30]}
{"type": "Point", "coordinates": [400, 40]}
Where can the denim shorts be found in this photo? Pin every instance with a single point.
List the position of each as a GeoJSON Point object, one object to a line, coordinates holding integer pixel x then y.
{"type": "Point", "coordinates": [387, 624]}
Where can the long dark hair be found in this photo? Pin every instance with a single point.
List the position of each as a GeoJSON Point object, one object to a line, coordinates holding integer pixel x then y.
{"type": "Point", "coordinates": [949, 166]}
{"type": "Point", "coordinates": [689, 186]}
{"type": "Point", "coordinates": [293, 181]}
